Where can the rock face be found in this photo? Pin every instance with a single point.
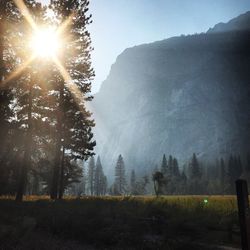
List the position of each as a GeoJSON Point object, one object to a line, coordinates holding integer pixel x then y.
{"type": "Point", "coordinates": [177, 96]}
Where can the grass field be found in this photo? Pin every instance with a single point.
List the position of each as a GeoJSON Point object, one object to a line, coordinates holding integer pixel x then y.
{"type": "Point", "coordinates": [169, 222]}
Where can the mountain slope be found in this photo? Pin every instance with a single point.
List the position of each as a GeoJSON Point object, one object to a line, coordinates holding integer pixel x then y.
{"type": "Point", "coordinates": [176, 96]}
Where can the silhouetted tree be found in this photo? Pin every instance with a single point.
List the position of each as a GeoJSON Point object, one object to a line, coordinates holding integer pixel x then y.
{"type": "Point", "coordinates": [159, 182]}
{"type": "Point", "coordinates": [176, 171]}
{"type": "Point", "coordinates": [194, 181]}
{"type": "Point", "coordinates": [120, 177]}
{"type": "Point", "coordinates": [74, 131]}
{"type": "Point", "coordinates": [141, 186]}
{"type": "Point", "coordinates": [170, 165]}
{"type": "Point", "coordinates": [183, 183]}
{"type": "Point", "coordinates": [164, 166]}
{"type": "Point", "coordinates": [222, 175]}
{"type": "Point", "coordinates": [91, 173]}
{"type": "Point", "coordinates": [194, 168]}
{"type": "Point", "coordinates": [98, 177]}
{"type": "Point", "coordinates": [132, 182]}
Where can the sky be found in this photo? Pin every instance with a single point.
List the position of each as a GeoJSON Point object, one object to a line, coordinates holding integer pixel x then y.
{"type": "Point", "coordinates": [119, 24]}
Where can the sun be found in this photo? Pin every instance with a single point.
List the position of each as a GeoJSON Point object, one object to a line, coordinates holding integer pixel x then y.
{"type": "Point", "coordinates": [45, 43]}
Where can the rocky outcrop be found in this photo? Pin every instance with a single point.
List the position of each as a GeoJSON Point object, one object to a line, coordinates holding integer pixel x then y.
{"type": "Point", "coordinates": [177, 96]}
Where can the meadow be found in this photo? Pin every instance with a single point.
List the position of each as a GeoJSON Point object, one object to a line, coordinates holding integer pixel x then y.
{"type": "Point", "coordinates": [167, 222]}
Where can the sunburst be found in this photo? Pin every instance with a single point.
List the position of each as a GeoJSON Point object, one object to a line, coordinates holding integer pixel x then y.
{"type": "Point", "coordinates": [46, 43]}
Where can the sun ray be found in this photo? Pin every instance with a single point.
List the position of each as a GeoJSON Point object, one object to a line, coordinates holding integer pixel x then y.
{"type": "Point", "coordinates": [25, 12]}
{"type": "Point", "coordinates": [65, 24]}
{"type": "Point", "coordinates": [77, 94]}
{"type": "Point", "coordinates": [69, 83]}
{"type": "Point", "coordinates": [18, 71]}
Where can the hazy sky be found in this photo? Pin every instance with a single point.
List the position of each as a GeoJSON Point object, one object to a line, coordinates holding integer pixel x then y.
{"type": "Point", "coordinates": [118, 24]}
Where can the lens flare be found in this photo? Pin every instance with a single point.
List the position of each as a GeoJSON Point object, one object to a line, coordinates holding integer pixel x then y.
{"type": "Point", "coordinates": [45, 43]}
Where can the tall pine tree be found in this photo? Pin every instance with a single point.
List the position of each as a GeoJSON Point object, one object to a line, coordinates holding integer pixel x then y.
{"type": "Point", "coordinates": [74, 122]}
{"type": "Point", "coordinates": [120, 177]}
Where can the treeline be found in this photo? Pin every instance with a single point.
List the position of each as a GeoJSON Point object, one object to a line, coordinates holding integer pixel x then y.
{"type": "Point", "coordinates": [197, 177]}
{"type": "Point", "coordinates": [94, 181]}
{"type": "Point", "coordinates": [45, 127]}
{"type": "Point", "coordinates": [194, 177]}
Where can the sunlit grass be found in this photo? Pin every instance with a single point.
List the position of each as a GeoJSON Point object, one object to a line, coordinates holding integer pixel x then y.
{"type": "Point", "coordinates": [189, 202]}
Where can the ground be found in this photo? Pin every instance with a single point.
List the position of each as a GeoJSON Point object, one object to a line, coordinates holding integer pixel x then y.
{"type": "Point", "coordinates": [169, 222]}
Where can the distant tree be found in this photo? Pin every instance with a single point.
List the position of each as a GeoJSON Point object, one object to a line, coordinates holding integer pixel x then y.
{"type": "Point", "coordinates": [164, 166]}
{"type": "Point", "coordinates": [120, 179]}
{"type": "Point", "coordinates": [84, 178]}
{"type": "Point", "coordinates": [99, 178]}
{"type": "Point", "coordinates": [183, 183]}
{"type": "Point", "coordinates": [91, 175]}
{"type": "Point", "coordinates": [176, 171]}
{"type": "Point", "coordinates": [141, 186]}
{"type": "Point", "coordinates": [194, 181]}
{"type": "Point", "coordinates": [132, 182]}
{"type": "Point", "coordinates": [222, 175]}
{"type": "Point", "coordinates": [194, 168]}
{"type": "Point", "coordinates": [174, 178]}
{"type": "Point", "coordinates": [159, 182]}
{"type": "Point", "coordinates": [170, 165]}
{"type": "Point", "coordinates": [104, 185]}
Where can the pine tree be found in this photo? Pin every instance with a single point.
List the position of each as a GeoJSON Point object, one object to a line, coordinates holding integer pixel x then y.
{"type": "Point", "coordinates": [194, 168]}
{"type": "Point", "coordinates": [132, 182]}
{"type": "Point", "coordinates": [222, 175]}
{"type": "Point", "coordinates": [164, 166]}
{"type": "Point", "coordinates": [98, 178]}
{"type": "Point", "coordinates": [84, 179]}
{"type": "Point", "coordinates": [72, 173]}
{"type": "Point", "coordinates": [104, 185]}
{"type": "Point", "coordinates": [74, 130]}
{"type": "Point", "coordinates": [176, 171]}
{"type": "Point", "coordinates": [170, 165]}
{"type": "Point", "coordinates": [91, 172]}
{"type": "Point", "coordinates": [7, 10]}
{"type": "Point", "coordinates": [120, 178]}
{"type": "Point", "coordinates": [159, 182]}
{"type": "Point", "coordinates": [27, 96]}
{"type": "Point", "coordinates": [183, 183]}
{"type": "Point", "coordinates": [194, 184]}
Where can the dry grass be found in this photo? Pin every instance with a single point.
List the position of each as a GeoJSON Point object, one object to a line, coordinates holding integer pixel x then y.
{"type": "Point", "coordinates": [143, 222]}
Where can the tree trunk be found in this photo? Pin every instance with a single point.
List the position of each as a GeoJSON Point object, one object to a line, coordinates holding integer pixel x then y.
{"type": "Point", "coordinates": [61, 186]}
{"type": "Point", "coordinates": [56, 170]}
{"type": "Point", "coordinates": [27, 150]}
{"type": "Point", "coordinates": [2, 24]}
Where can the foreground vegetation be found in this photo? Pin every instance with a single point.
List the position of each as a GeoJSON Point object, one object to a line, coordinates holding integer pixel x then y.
{"type": "Point", "coordinates": [169, 222]}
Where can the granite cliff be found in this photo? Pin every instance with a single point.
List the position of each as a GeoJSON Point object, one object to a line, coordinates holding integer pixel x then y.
{"type": "Point", "coordinates": [177, 96]}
